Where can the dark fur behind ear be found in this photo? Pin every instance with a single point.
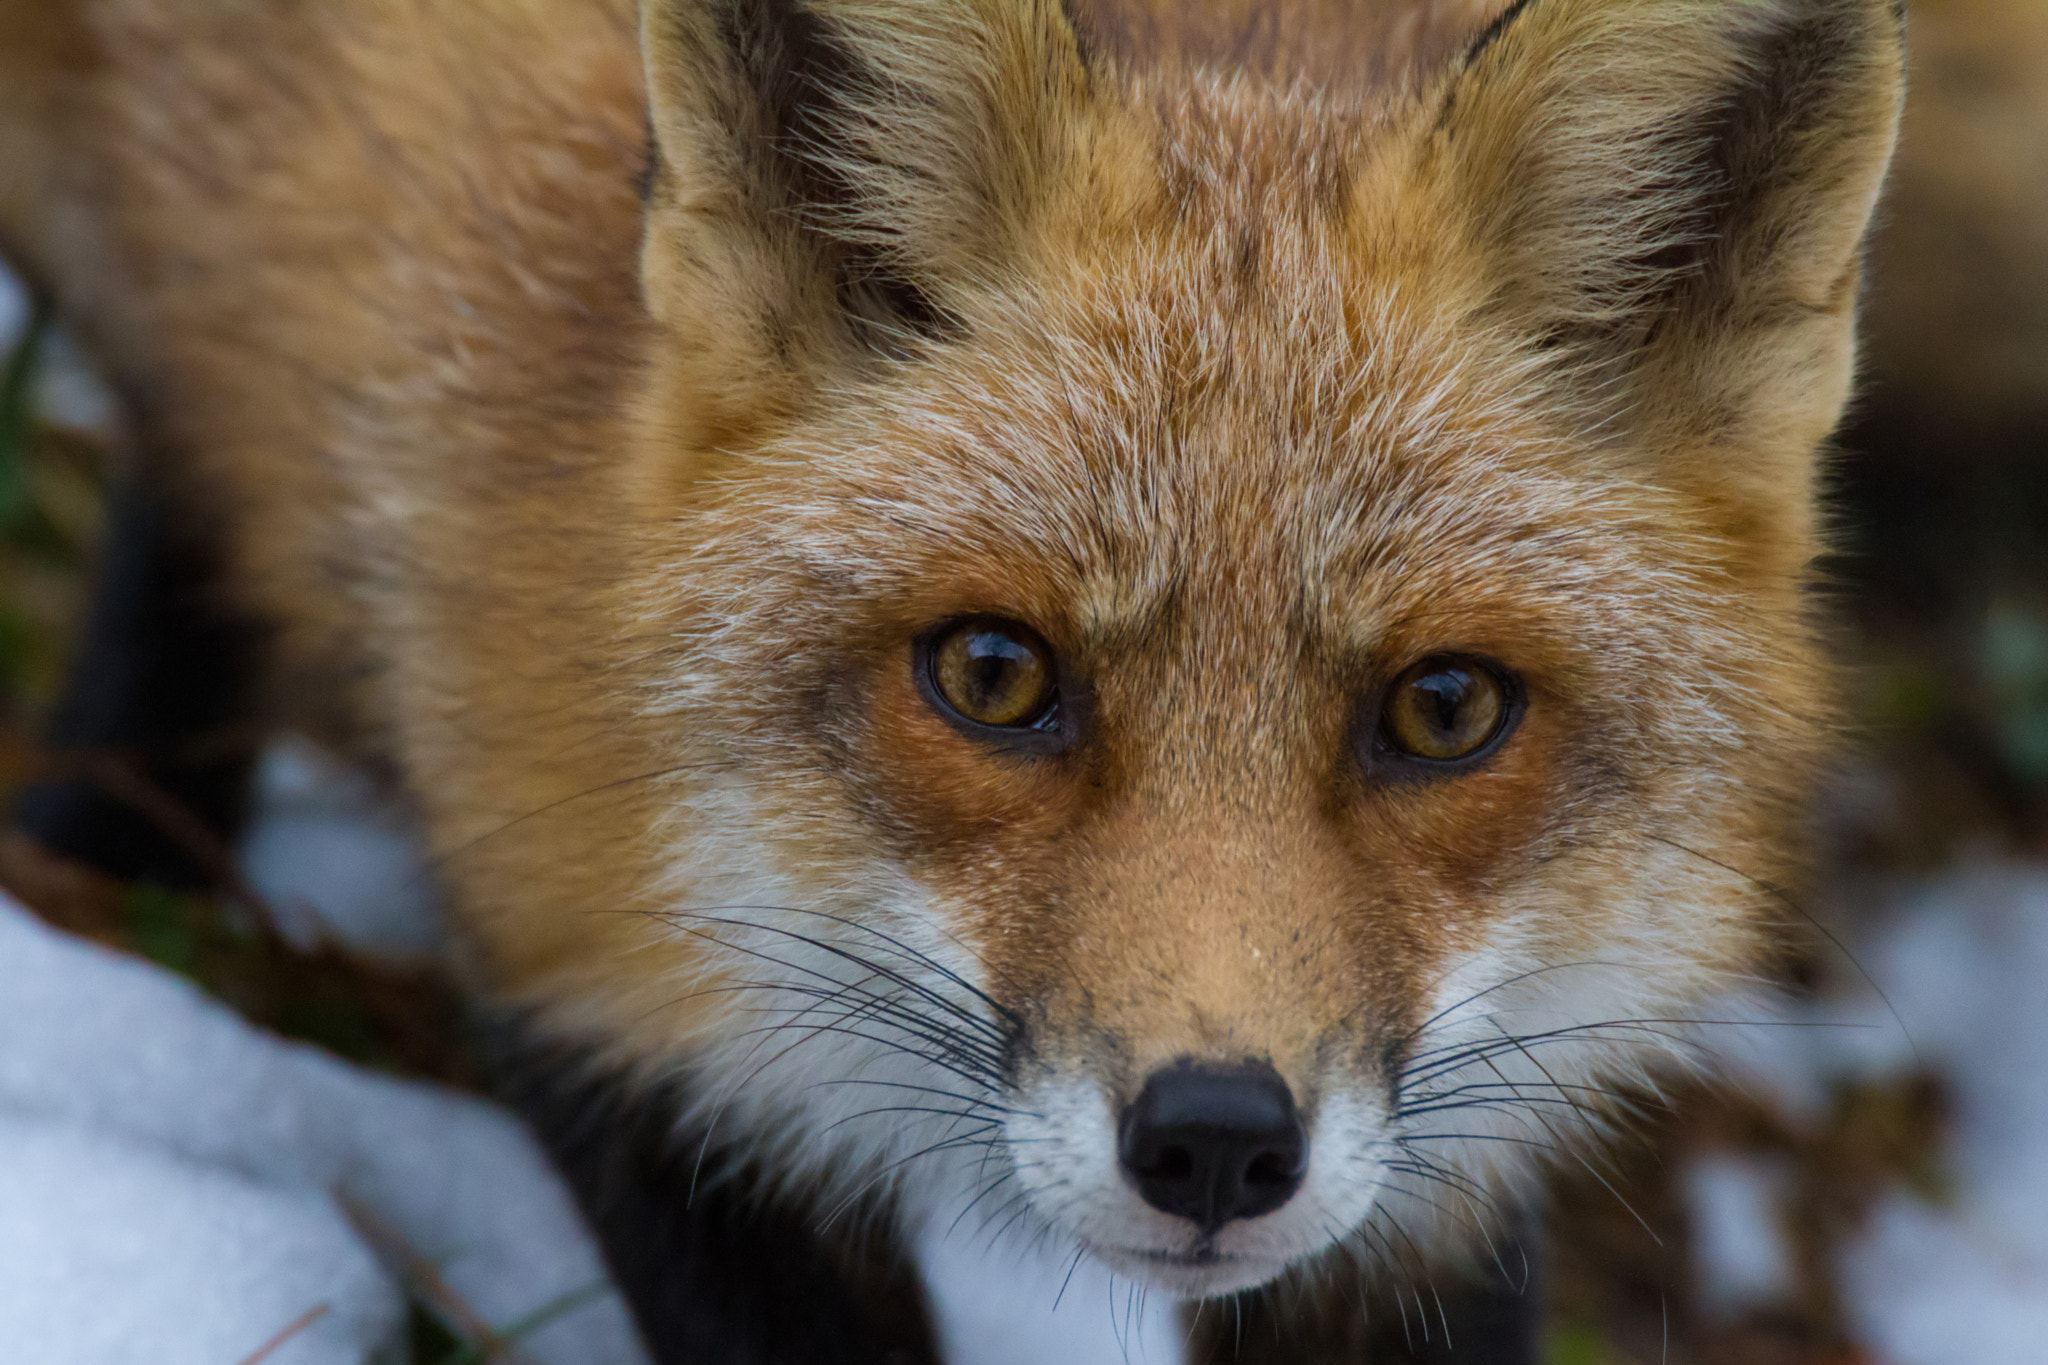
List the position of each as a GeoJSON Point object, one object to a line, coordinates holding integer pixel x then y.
{"type": "Point", "coordinates": [1674, 195]}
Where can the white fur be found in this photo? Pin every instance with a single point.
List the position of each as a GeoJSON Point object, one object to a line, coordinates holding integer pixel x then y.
{"type": "Point", "coordinates": [1067, 1163]}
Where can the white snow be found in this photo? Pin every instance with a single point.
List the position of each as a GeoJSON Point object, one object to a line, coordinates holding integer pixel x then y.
{"type": "Point", "coordinates": [1933, 1286]}
{"type": "Point", "coordinates": [202, 1151]}
{"type": "Point", "coordinates": [1739, 1245]}
{"type": "Point", "coordinates": [13, 309]}
{"type": "Point", "coordinates": [117, 1254]}
{"type": "Point", "coordinates": [1962, 960]}
{"type": "Point", "coordinates": [333, 860]}
{"type": "Point", "coordinates": [69, 392]}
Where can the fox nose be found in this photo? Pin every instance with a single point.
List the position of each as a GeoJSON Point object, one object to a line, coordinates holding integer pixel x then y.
{"type": "Point", "coordinates": [1213, 1143]}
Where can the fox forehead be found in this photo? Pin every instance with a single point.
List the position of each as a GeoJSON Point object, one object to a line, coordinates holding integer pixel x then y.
{"type": "Point", "coordinates": [1107, 462]}
{"type": "Point", "coordinates": [1118, 507]}
{"type": "Point", "coordinates": [1243, 359]}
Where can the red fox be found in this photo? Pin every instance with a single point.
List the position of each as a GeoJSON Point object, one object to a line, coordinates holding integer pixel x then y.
{"type": "Point", "coordinates": [1182, 628]}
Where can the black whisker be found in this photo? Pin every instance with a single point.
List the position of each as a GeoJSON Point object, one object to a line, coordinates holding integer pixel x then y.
{"type": "Point", "coordinates": [997, 1037]}
{"type": "Point", "coordinates": [928, 1090]}
{"type": "Point", "coordinates": [440, 862]}
{"type": "Point", "coordinates": [1784, 898]}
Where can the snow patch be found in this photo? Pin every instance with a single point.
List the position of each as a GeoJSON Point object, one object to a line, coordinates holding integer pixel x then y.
{"type": "Point", "coordinates": [114, 1254]}
{"type": "Point", "coordinates": [14, 309]}
{"type": "Point", "coordinates": [334, 859]}
{"type": "Point", "coordinates": [1740, 1252]}
{"type": "Point", "coordinates": [1960, 960]}
{"type": "Point", "coordinates": [179, 1108]}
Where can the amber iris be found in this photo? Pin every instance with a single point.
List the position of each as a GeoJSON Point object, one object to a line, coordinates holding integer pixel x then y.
{"type": "Point", "coordinates": [994, 673]}
{"type": "Point", "coordinates": [1444, 709]}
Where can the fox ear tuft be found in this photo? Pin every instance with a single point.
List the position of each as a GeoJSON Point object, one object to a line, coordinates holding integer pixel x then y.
{"type": "Point", "coordinates": [1671, 196]}
{"type": "Point", "coordinates": [829, 173]}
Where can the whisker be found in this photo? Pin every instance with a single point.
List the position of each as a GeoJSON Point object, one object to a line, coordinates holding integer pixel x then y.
{"type": "Point", "coordinates": [946, 1144]}
{"type": "Point", "coordinates": [996, 1035]}
{"type": "Point", "coordinates": [967, 1049]}
{"type": "Point", "coordinates": [1072, 1266]}
{"type": "Point", "coordinates": [1460, 1055]}
{"type": "Point", "coordinates": [897, 945]}
{"type": "Point", "coordinates": [987, 1125]}
{"type": "Point", "coordinates": [928, 1090]}
{"type": "Point", "coordinates": [1780, 895]}
{"type": "Point", "coordinates": [439, 863]}
{"type": "Point", "coordinates": [1477, 1137]}
{"type": "Point", "coordinates": [988, 1188]}
{"type": "Point", "coordinates": [1519, 977]}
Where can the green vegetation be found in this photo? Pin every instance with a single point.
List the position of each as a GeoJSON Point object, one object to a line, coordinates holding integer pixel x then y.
{"type": "Point", "coordinates": [1574, 1343]}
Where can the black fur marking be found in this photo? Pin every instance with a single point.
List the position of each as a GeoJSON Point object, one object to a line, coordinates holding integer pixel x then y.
{"type": "Point", "coordinates": [714, 1270]}
{"type": "Point", "coordinates": [1486, 39]}
{"type": "Point", "coordinates": [1491, 33]}
{"type": "Point", "coordinates": [650, 167]}
{"type": "Point", "coordinates": [803, 80]}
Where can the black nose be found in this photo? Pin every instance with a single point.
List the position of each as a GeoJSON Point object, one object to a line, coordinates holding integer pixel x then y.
{"type": "Point", "coordinates": [1213, 1143]}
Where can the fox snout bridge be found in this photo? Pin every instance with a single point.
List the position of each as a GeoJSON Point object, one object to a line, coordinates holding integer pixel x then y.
{"type": "Point", "coordinates": [1214, 1143]}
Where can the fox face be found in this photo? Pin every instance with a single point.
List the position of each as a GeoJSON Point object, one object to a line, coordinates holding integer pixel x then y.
{"type": "Point", "coordinates": [1236, 653]}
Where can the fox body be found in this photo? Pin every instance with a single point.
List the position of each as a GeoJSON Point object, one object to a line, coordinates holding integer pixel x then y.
{"type": "Point", "coordinates": [900, 549]}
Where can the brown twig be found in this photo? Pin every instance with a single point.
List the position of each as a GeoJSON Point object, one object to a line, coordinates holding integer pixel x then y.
{"type": "Point", "coordinates": [427, 1283]}
{"type": "Point", "coordinates": [407, 1001]}
{"type": "Point", "coordinates": [292, 1329]}
{"type": "Point", "coordinates": [121, 779]}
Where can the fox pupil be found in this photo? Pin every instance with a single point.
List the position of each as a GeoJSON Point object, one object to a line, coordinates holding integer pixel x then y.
{"type": "Point", "coordinates": [1446, 697]}
{"type": "Point", "coordinates": [995, 668]}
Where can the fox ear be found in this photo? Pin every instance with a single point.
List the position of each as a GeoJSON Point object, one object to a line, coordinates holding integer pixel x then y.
{"type": "Point", "coordinates": [829, 175]}
{"type": "Point", "coordinates": [1671, 195]}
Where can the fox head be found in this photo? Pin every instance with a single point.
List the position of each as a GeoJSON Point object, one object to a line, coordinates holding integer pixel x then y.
{"type": "Point", "coordinates": [1236, 648]}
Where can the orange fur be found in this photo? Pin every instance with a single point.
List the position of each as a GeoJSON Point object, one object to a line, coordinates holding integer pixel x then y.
{"type": "Point", "coordinates": [1246, 388]}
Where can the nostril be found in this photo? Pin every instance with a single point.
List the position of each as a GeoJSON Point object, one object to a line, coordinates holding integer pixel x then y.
{"type": "Point", "coordinates": [1214, 1143]}
{"type": "Point", "coordinates": [1271, 1168]}
{"type": "Point", "coordinates": [1170, 1163]}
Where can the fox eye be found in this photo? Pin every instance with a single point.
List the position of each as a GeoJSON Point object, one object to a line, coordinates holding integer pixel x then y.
{"type": "Point", "coordinates": [1447, 709]}
{"type": "Point", "coordinates": [994, 673]}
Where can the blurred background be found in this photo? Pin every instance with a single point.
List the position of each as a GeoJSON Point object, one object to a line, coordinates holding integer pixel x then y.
{"type": "Point", "coordinates": [1864, 1183]}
